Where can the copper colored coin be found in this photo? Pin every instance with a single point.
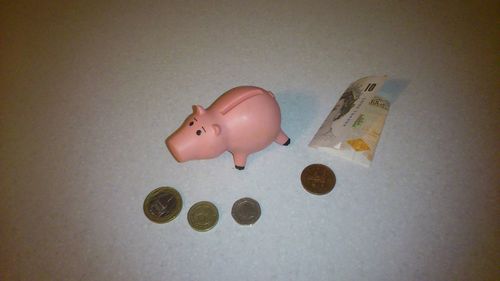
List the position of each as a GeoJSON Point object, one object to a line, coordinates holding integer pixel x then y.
{"type": "Point", "coordinates": [318, 179]}
{"type": "Point", "coordinates": [162, 204]}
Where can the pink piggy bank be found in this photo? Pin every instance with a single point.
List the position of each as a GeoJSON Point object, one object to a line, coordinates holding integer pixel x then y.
{"type": "Point", "coordinates": [243, 120]}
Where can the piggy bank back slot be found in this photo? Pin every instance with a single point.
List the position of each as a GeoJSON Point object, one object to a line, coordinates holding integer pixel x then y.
{"type": "Point", "coordinates": [241, 97]}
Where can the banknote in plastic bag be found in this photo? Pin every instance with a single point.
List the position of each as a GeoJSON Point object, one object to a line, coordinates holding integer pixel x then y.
{"type": "Point", "coordinates": [353, 127]}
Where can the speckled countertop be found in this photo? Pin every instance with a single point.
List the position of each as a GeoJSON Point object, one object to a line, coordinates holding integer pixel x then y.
{"type": "Point", "coordinates": [90, 90]}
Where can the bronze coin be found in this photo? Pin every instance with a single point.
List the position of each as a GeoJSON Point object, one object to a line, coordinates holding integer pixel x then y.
{"type": "Point", "coordinates": [162, 204]}
{"type": "Point", "coordinates": [318, 179]}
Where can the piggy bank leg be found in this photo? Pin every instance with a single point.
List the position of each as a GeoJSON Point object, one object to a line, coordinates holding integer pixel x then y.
{"type": "Point", "coordinates": [282, 138]}
{"type": "Point", "coordinates": [240, 160]}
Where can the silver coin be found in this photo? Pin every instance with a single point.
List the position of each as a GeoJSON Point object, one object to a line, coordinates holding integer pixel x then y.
{"type": "Point", "coordinates": [246, 211]}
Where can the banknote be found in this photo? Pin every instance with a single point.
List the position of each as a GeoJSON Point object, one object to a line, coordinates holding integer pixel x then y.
{"type": "Point", "coordinates": [353, 127]}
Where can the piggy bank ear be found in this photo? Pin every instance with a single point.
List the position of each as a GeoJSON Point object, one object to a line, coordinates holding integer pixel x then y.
{"type": "Point", "coordinates": [216, 128]}
{"type": "Point", "coordinates": [198, 110]}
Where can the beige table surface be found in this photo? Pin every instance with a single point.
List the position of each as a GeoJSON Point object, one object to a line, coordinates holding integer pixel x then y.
{"type": "Point", "coordinates": [90, 89]}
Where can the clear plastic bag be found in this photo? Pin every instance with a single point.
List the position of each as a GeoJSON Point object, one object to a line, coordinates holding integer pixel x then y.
{"type": "Point", "coordinates": [353, 127]}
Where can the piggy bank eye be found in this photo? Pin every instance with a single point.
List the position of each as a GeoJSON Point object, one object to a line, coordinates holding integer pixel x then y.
{"type": "Point", "coordinates": [198, 132]}
{"type": "Point", "coordinates": [191, 123]}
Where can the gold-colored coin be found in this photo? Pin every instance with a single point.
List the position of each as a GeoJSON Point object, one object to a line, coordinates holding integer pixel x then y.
{"type": "Point", "coordinates": [318, 179]}
{"type": "Point", "coordinates": [162, 204]}
{"type": "Point", "coordinates": [203, 216]}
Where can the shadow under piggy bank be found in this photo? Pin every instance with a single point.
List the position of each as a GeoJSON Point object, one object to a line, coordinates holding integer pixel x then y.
{"type": "Point", "coordinates": [297, 112]}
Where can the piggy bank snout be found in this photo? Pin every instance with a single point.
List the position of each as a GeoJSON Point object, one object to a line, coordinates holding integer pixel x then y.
{"type": "Point", "coordinates": [176, 147]}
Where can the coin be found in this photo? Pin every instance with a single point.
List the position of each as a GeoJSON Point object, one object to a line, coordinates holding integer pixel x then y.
{"type": "Point", "coordinates": [246, 211]}
{"type": "Point", "coordinates": [203, 216]}
{"type": "Point", "coordinates": [318, 179]}
{"type": "Point", "coordinates": [162, 204]}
